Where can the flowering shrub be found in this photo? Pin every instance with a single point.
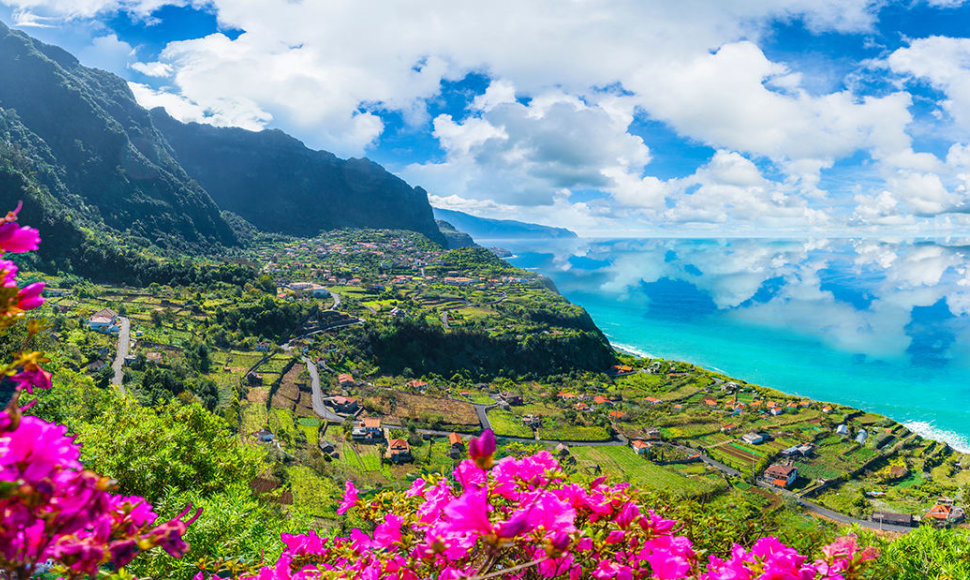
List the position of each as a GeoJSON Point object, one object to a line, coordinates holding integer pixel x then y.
{"type": "Point", "coordinates": [51, 508]}
{"type": "Point", "coordinates": [522, 518]}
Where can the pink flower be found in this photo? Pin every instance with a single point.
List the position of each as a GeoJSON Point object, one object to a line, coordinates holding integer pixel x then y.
{"type": "Point", "coordinates": [388, 532]}
{"type": "Point", "coordinates": [8, 270]}
{"type": "Point", "coordinates": [29, 296]}
{"type": "Point", "coordinates": [17, 239]}
{"type": "Point", "coordinates": [35, 450]}
{"type": "Point", "coordinates": [350, 498]}
{"type": "Point", "coordinates": [469, 513]}
{"type": "Point", "coordinates": [29, 379]}
{"type": "Point", "coordinates": [481, 449]}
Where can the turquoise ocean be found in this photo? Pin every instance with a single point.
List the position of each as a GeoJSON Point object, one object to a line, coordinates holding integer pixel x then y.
{"type": "Point", "coordinates": [882, 325]}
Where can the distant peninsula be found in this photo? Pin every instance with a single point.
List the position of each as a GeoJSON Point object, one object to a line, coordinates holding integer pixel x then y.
{"type": "Point", "coordinates": [492, 229]}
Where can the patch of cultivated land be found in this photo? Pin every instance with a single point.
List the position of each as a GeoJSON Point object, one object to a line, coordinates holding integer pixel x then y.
{"type": "Point", "coordinates": [428, 409]}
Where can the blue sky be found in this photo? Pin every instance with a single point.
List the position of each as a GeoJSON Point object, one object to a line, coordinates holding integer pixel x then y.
{"type": "Point", "coordinates": [613, 118]}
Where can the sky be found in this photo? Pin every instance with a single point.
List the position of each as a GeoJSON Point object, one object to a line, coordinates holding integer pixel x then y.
{"type": "Point", "coordinates": [614, 118]}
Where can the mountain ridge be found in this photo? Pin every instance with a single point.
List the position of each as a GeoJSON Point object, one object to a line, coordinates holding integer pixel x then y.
{"type": "Point", "coordinates": [237, 167]}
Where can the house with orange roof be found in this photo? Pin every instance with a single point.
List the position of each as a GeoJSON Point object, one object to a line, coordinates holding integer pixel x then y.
{"type": "Point", "coordinates": [678, 407]}
{"type": "Point", "coordinates": [653, 400]}
{"type": "Point", "coordinates": [618, 415]}
{"type": "Point", "coordinates": [455, 440]}
{"type": "Point", "coordinates": [640, 447]}
{"type": "Point", "coordinates": [710, 402]}
{"type": "Point", "coordinates": [563, 395]}
{"type": "Point", "coordinates": [781, 475]}
{"type": "Point", "coordinates": [827, 409]}
{"type": "Point", "coordinates": [416, 384]}
{"type": "Point", "coordinates": [945, 513]}
{"type": "Point", "coordinates": [345, 380]}
{"type": "Point", "coordinates": [581, 406]}
{"type": "Point", "coordinates": [368, 431]}
{"type": "Point", "coordinates": [601, 400]}
{"type": "Point", "coordinates": [728, 427]}
{"type": "Point", "coordinates": [399, 451]}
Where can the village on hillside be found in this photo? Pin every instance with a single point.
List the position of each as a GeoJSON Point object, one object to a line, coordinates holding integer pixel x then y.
{"type": "Point", "coordinates": [290, 363]}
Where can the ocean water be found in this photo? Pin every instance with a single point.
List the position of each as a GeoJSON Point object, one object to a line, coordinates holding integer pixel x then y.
{"type": "Point", "coordinates": [882, 325]}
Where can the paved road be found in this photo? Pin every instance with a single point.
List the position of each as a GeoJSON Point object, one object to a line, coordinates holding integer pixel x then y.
{"type": "Point", "coordinates": [482, 412]}
{"type": "Point", "coordinates": [336, 299]}
{"type": "Point", "coordinates": [124, 338]}
{"type": "Point", "coordinates": [620, 440]}
{"type": "Point", "coordinates": [720, 466]}
{"type": "Point", "coordinates": [444, 320]}
{"type": "Point", "coordinates": [317, 399]}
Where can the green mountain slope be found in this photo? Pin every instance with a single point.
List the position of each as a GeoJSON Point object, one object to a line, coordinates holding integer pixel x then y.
{"type": "Point", "coordinates": [280, 185]}
{"type": "Point", "coordinates": [96, 151]}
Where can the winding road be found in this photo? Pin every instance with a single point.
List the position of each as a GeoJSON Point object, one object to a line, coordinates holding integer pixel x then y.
{"type": "Point", "coordinates": [317, 399]}
{"type": "Point", "coordinates": [124, 341]}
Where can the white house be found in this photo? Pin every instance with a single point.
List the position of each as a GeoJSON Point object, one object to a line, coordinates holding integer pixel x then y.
{"type": "Point", "coordinates": [105, 320]}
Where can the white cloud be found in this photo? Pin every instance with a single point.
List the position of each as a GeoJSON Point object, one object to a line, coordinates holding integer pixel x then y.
{"type": "Point", "coordinates": [530, 154]}
{"type": "Point", "coordinates": [107, 53]}
{"type": "Point", "coordinates": [730, 188]}
{"type": "Point", "coordinates": [225, 113]}
{"type": "Point", "coordinates": [77, 9]}
{"type": "Point", "coordinates": [153, 69]}
{"type": "Point", "coordinates": [944, 63]}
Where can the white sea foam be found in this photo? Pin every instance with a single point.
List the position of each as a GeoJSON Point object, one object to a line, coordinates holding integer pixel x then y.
{"type": "Point", "coordinates": [955, 440]}
{"type": "Point", "coordinates": [630, 349]}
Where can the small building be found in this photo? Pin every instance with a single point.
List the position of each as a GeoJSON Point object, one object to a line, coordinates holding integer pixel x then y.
{"type": "Point", "coordinates": [781, 475]}
{"type": "Point", "coordinates": [618, 415]}
{"type": "Point", "coordinates": [104, 320]}
{"type": "Point", "coordinates": [399, 451]}
{"type": "Point", "coordinates": [945, 513]}
{"type": "Point", "coordinates": [653, 400]}
{"type": "Point", "coordinates": [842, 430]}
{"type": "Point", "coordinates": [368, 431]}
{"type": "Point", "coordinates": [154, 357]}
{"type": "Point", "coordinates": [345, 380]}
{"type": "Point", "coordinates": [97, 365]}
{"type": "Point", "coordinates": [511, 398]}
{"type": "Point", "coordinates": [753, 438]}
{"type": "Point", "coordinates": [263, 435]}
{"type": "Point", "coordinates": [892, 519]}
{"type": "Point", "coordinates": [640, 447]}
{"type": "Point", "coordinates": [861, 436]}
{"type": "Point", "coordinates": [454, 439]}
{"type": "Point", "coordinates": [803, 450]}
{"type": "Point", "coordinates": [562, 450]}
{"type": "Point", "coordinates": [346, 405]}
{"type": "Point", "coordinates": [326, 446]}
{"type": "Point", "coordinates": [601, 400]}
{"type": "Point", "coordinates": [533, 421]}
{"type": "Point", "coordinates": [651, 434]}
{"type": "Point", "coordinates": [416, 384]}
{"type": "Point", "coordinates": [263, 346]}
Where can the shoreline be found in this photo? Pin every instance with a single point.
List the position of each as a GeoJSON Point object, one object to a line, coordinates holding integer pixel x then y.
{"type": "Point", "coordinates": [957, 441]}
